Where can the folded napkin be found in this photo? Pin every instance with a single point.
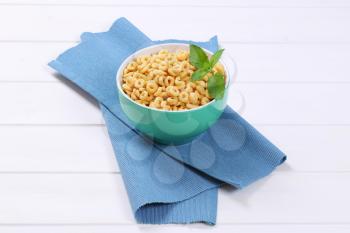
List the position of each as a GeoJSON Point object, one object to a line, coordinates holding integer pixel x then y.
{"type": "Point", "coordinates": [166, 184]}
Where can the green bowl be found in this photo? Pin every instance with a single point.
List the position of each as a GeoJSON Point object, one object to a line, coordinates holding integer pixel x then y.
{"type": "Point", "coordinates": [172, 127]}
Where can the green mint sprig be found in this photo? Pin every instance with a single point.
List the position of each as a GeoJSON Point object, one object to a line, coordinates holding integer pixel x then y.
{"type": "Point", "coordinates": [204, 65]}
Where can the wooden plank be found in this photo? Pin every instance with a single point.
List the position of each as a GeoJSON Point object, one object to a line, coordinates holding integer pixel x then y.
{"type": "Point", "coordinates": [283, 198]}
{"type": "Point", "coordinates": [74, 149]}
{"type": "Point", "coordinates": [56, 149]}
{"type": "Point", "coordinates": [27, 62]}
{"type": "Point", "coordinates": [236, 24]}
{"type": "Point", "coordinates": [26, 104]}
{"type": "Point", "coordinates": [293, 103]}
{"type": "Point", "coordinates": [290, 63]}
{"type": "Point", "coordinates": [196, 228]}
{"type": "Point", "coordinates": [226, 3]}
{"type": "Point", "coordinates": [58, 103]}
{"type": "Point", "coordinates": [283, 63]}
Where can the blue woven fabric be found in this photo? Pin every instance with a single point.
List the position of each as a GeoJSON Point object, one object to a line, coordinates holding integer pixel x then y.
{"type": "Point", "coordinates": [166, 184]}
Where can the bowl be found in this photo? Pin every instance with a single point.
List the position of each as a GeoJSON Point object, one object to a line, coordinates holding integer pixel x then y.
{"type": "Point", "coordinates": [172, 127]}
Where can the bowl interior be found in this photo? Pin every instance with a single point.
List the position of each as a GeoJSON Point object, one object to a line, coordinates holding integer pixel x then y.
{"type": "Point", "coordinates": [171, 47]}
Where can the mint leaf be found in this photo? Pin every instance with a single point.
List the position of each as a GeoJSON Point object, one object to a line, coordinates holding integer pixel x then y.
{"type": "Point", "coordinates": [199, 74]}
{"type": "Point", "coordinates": [216, 86]}
{"type": "Point", "coordinates": [198, 58]}
{"type": "Point", "coordinates": [215, 58]}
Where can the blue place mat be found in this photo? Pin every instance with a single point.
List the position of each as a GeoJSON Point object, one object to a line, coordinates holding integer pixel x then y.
{"type": "Point", "coordinates": [166, 184]}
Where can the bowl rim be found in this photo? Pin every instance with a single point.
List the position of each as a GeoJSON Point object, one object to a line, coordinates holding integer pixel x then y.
{"type": "Point", "coordinates": [131, 56]}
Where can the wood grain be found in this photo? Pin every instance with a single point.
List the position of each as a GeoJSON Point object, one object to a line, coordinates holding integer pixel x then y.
{"type": "Point", "coordinates": [194, 3]}
{"type": "Point", "coordinates": [87, 149]}
{"type": "Point", "coordinates": [101, 199]}
{"type": "Point", "coordinates": [262, 63]}
{"type": "Point", "coordinates": [282, 25]}
{"type": "Point", "coordinates": [277, 104]}
{"type": "Point", "coordinates": [196, 228]}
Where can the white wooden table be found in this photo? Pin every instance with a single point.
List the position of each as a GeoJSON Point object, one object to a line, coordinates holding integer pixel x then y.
{"type": "Point", "coordinates": [57, 169]}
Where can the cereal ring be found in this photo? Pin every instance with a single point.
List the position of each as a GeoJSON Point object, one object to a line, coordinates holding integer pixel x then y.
{"type": "Point", "coordinates": [169, 81]}
{"type": "Point", "coordinates": [139, 83]}
{"type": "Point", "coordinates": [172, 91]}
{"type": "Point", "coordinates": [151, 86]}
